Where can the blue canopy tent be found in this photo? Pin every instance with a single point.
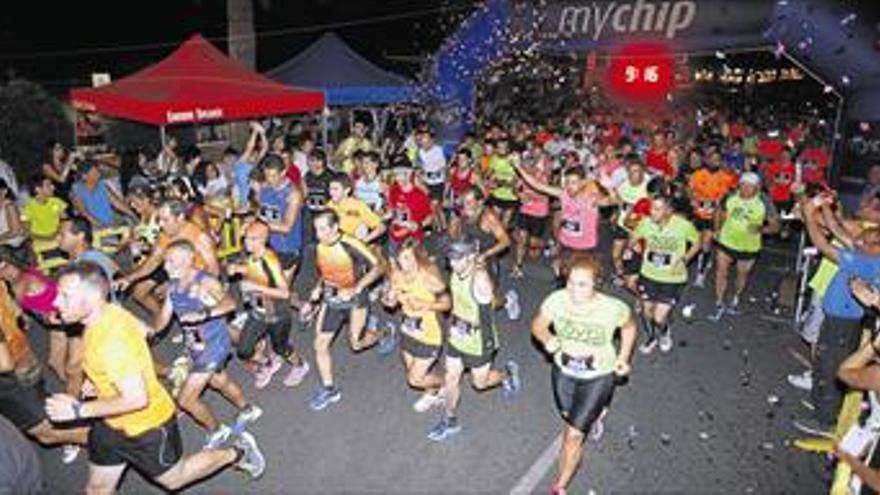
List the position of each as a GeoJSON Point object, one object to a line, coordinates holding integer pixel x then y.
{"type": "Point", "coordinates": [347, 78]}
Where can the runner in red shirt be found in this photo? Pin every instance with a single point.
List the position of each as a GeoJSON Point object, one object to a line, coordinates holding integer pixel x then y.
{"type": "Point", "coordinates": [779, 176]}
{"type": "Point", "coordinates": [657, 158]}
{"type": "Point", "coordinates": [410, 208]}
{"type": "Point", "coordinates": [814, 161]}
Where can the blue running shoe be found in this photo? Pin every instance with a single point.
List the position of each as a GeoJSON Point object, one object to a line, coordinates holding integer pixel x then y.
{"type": "Point", "coordinates": [323, 397]}
{"type": "Point", "coordinates": [388, 342]}
{"type": "Point", "coordinates": [446, 428]}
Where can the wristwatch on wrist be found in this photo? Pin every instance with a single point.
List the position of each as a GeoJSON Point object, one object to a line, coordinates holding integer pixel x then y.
{"type": "Point", "coordinates": [77, 409]}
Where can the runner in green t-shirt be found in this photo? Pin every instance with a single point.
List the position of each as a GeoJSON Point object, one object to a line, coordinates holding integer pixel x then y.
{"type": "Point", "coordinates": [585, 361]}
{"type": "Point", "coordinates": [741, 220]}
{"type": "Point", "coordinates": [502, 181]}
{"type": "Point", "coordinates": [670, 243]}
{"type": "Point", "coordinates": [472, 340]}
{"type": "Point", "coordinates": [633, 189]}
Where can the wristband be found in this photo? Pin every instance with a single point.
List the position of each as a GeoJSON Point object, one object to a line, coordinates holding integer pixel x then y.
{"type": "Point", "coordinates": [77, 409]}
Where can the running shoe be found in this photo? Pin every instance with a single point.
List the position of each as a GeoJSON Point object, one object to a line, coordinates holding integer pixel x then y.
{"type": "Point", "coordinates": [720, 310]}
{"type": "Point", "coordinates": [296, 374]}
{"type": "Point", "coordinates": [388, 342]}
{"type": "Point", "coordinates": [69, 453]}
{"type": "Point", "coordinates": [252, 460]}
{"type": "Point", "coordinates": [446, 428]}
{"type": "Point", "coordinates": [264, 377]}
{"type": "Point", "coordinates": [803, 381]}
{"type": "Point", "coordinates": [733, 307]}
{"type": "Point", "coordinates": [248, 416]}
{"type": "Point", "coordinates": [666, 341]}
{"type": "Point", "coordinates": [323, 397]}
{"type": "Point", "coordinates": [512, 384]}
{"type": "Point", "coordinates": [427, 401]}
{"type": "Point", "coordinates": [648, 346]}
{"type": "Point", "coordinates": [217, 438]}
{"type": "Point", "coordinates": [511, 305]}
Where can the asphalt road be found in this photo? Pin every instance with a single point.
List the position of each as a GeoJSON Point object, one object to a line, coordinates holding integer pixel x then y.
{"type": "Point", "coordinates": [700, 419]}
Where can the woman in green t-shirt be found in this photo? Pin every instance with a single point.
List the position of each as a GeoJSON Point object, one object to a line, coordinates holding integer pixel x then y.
{"type": "Point", "coordinates": [585, 361]}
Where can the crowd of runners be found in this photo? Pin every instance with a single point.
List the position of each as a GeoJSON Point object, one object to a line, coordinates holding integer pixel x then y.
{"type": "Point", "coordinates": [414, 247]}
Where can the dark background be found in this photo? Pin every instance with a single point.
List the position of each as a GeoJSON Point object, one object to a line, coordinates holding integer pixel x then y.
{"type": "Point", "coordinates": [59, 44]}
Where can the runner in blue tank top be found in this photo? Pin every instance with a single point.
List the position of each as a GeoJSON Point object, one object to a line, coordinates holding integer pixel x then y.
{"type": "Point", "coordinates": [200, 304]}
{"type": "Point", "coordinates": [280, 205]}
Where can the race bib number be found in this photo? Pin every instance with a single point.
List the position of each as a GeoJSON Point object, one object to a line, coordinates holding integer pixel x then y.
{"type": "Point", "coordinates": [571, 226]}
{"type": "Point", "coordinates": [410, 325]}
{"type": "Point", "coordinates": [460, 328]}
{"type": "Point", "coordinates": [270, 213]}
{"type": "Point", "coordinates": [316, 201]}
{"type": "Point", "coordinates": [783, 178]}
{"type": "Point", "coordinates": [435, 176]}
{"type": "Point", "coordinates": [401, 216]}
{"type": "Point", "coordinates": [707, 205]}
{"type": "Point", "coordinates": [578, 364]}
{"type": "Point", "coordinates": [660, 260]}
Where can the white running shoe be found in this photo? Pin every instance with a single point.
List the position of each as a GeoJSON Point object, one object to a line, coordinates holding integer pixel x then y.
{"type": "Point", "coordinates": [666, 341]}
{"type": "Point", "coordinates": [428, 401]}
{"type": "Point", "coordinates": [217, 437]}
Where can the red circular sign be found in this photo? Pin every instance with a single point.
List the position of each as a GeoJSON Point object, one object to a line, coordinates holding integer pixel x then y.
{"type": "Point", "coordinates": [641, 73]}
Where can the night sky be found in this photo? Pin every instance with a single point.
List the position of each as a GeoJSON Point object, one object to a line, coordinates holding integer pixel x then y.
{"type": "Point", "coordinates": [59, 44]}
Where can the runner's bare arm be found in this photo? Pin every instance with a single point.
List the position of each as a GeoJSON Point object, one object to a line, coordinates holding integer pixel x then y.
{"type": "Point", "coordinates": [148, 266]}
{"type": "Point", "coordinates": [628, 333]}
{"type": "Point", "coordinates": [536, 185]}
{"type": "Point", "coordinates": [817, 237]}
{"type": "Point", "coordinates": [869, 476]}
{"type": "Point", "coordinates": [226, 303]}
{"type": "Point", "coordinates": [837, 229]}
{"type": "Point", "coordinates": [372, 276]}
{"type": "Point", "coordinates": [132, 396]}
{"type": "Point", "coordinates": [294, 206]}
{"type": "Point", "coordinates": [502, 238]}
{"type": "Point", "coordinates": [541, 331]}
{"type": "Point", "coordinates": [163, 318]}
{"type": "Point", "coordinates": [205, 248]}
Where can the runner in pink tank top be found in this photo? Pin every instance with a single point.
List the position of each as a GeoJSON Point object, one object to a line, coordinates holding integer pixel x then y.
{"type": "Point", "coordinates": [580, 221]}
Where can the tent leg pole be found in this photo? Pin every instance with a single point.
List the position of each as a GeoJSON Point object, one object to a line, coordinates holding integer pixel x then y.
{"type": "Point", "coordinates": [162, 135]}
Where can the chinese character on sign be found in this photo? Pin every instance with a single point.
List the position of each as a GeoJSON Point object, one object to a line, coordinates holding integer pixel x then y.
{"type": "Point", "coordinates": [652, 74]}
{"type": "Point", "coordinates": [632, 73]}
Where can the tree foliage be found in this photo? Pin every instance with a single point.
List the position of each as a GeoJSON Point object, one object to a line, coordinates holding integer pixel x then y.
{"type": "Point", "coordinates": [30, 119]}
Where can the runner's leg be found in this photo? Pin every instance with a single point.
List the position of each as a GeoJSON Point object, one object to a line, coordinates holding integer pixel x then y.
{"type": "Point", "coordinates": [103, 479]}
{"type": "Point", "coordinates": [190, 400]}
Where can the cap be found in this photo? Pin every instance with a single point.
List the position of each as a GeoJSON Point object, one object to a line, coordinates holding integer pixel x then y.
{"type": "Point", "coordinates": [750, 178]}
{"type": "Point", "coordinates": [461, 249]}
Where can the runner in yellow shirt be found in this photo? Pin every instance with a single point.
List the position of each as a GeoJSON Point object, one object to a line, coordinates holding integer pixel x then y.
{"type": "Point", "coordinates": [355, 217]}
{"type": "Point", "coordinates": [137, 421]}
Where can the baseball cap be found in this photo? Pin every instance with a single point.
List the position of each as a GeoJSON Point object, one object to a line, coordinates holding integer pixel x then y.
{"type": "Point", "coordinates": [750, 178]}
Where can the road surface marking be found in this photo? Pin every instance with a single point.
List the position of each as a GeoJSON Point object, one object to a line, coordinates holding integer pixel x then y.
{"type": "Point", "coordinates": [535, 474]}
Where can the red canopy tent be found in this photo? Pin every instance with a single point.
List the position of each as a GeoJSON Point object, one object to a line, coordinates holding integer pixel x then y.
{"type": "Point", "coordinates": [196, 83]}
